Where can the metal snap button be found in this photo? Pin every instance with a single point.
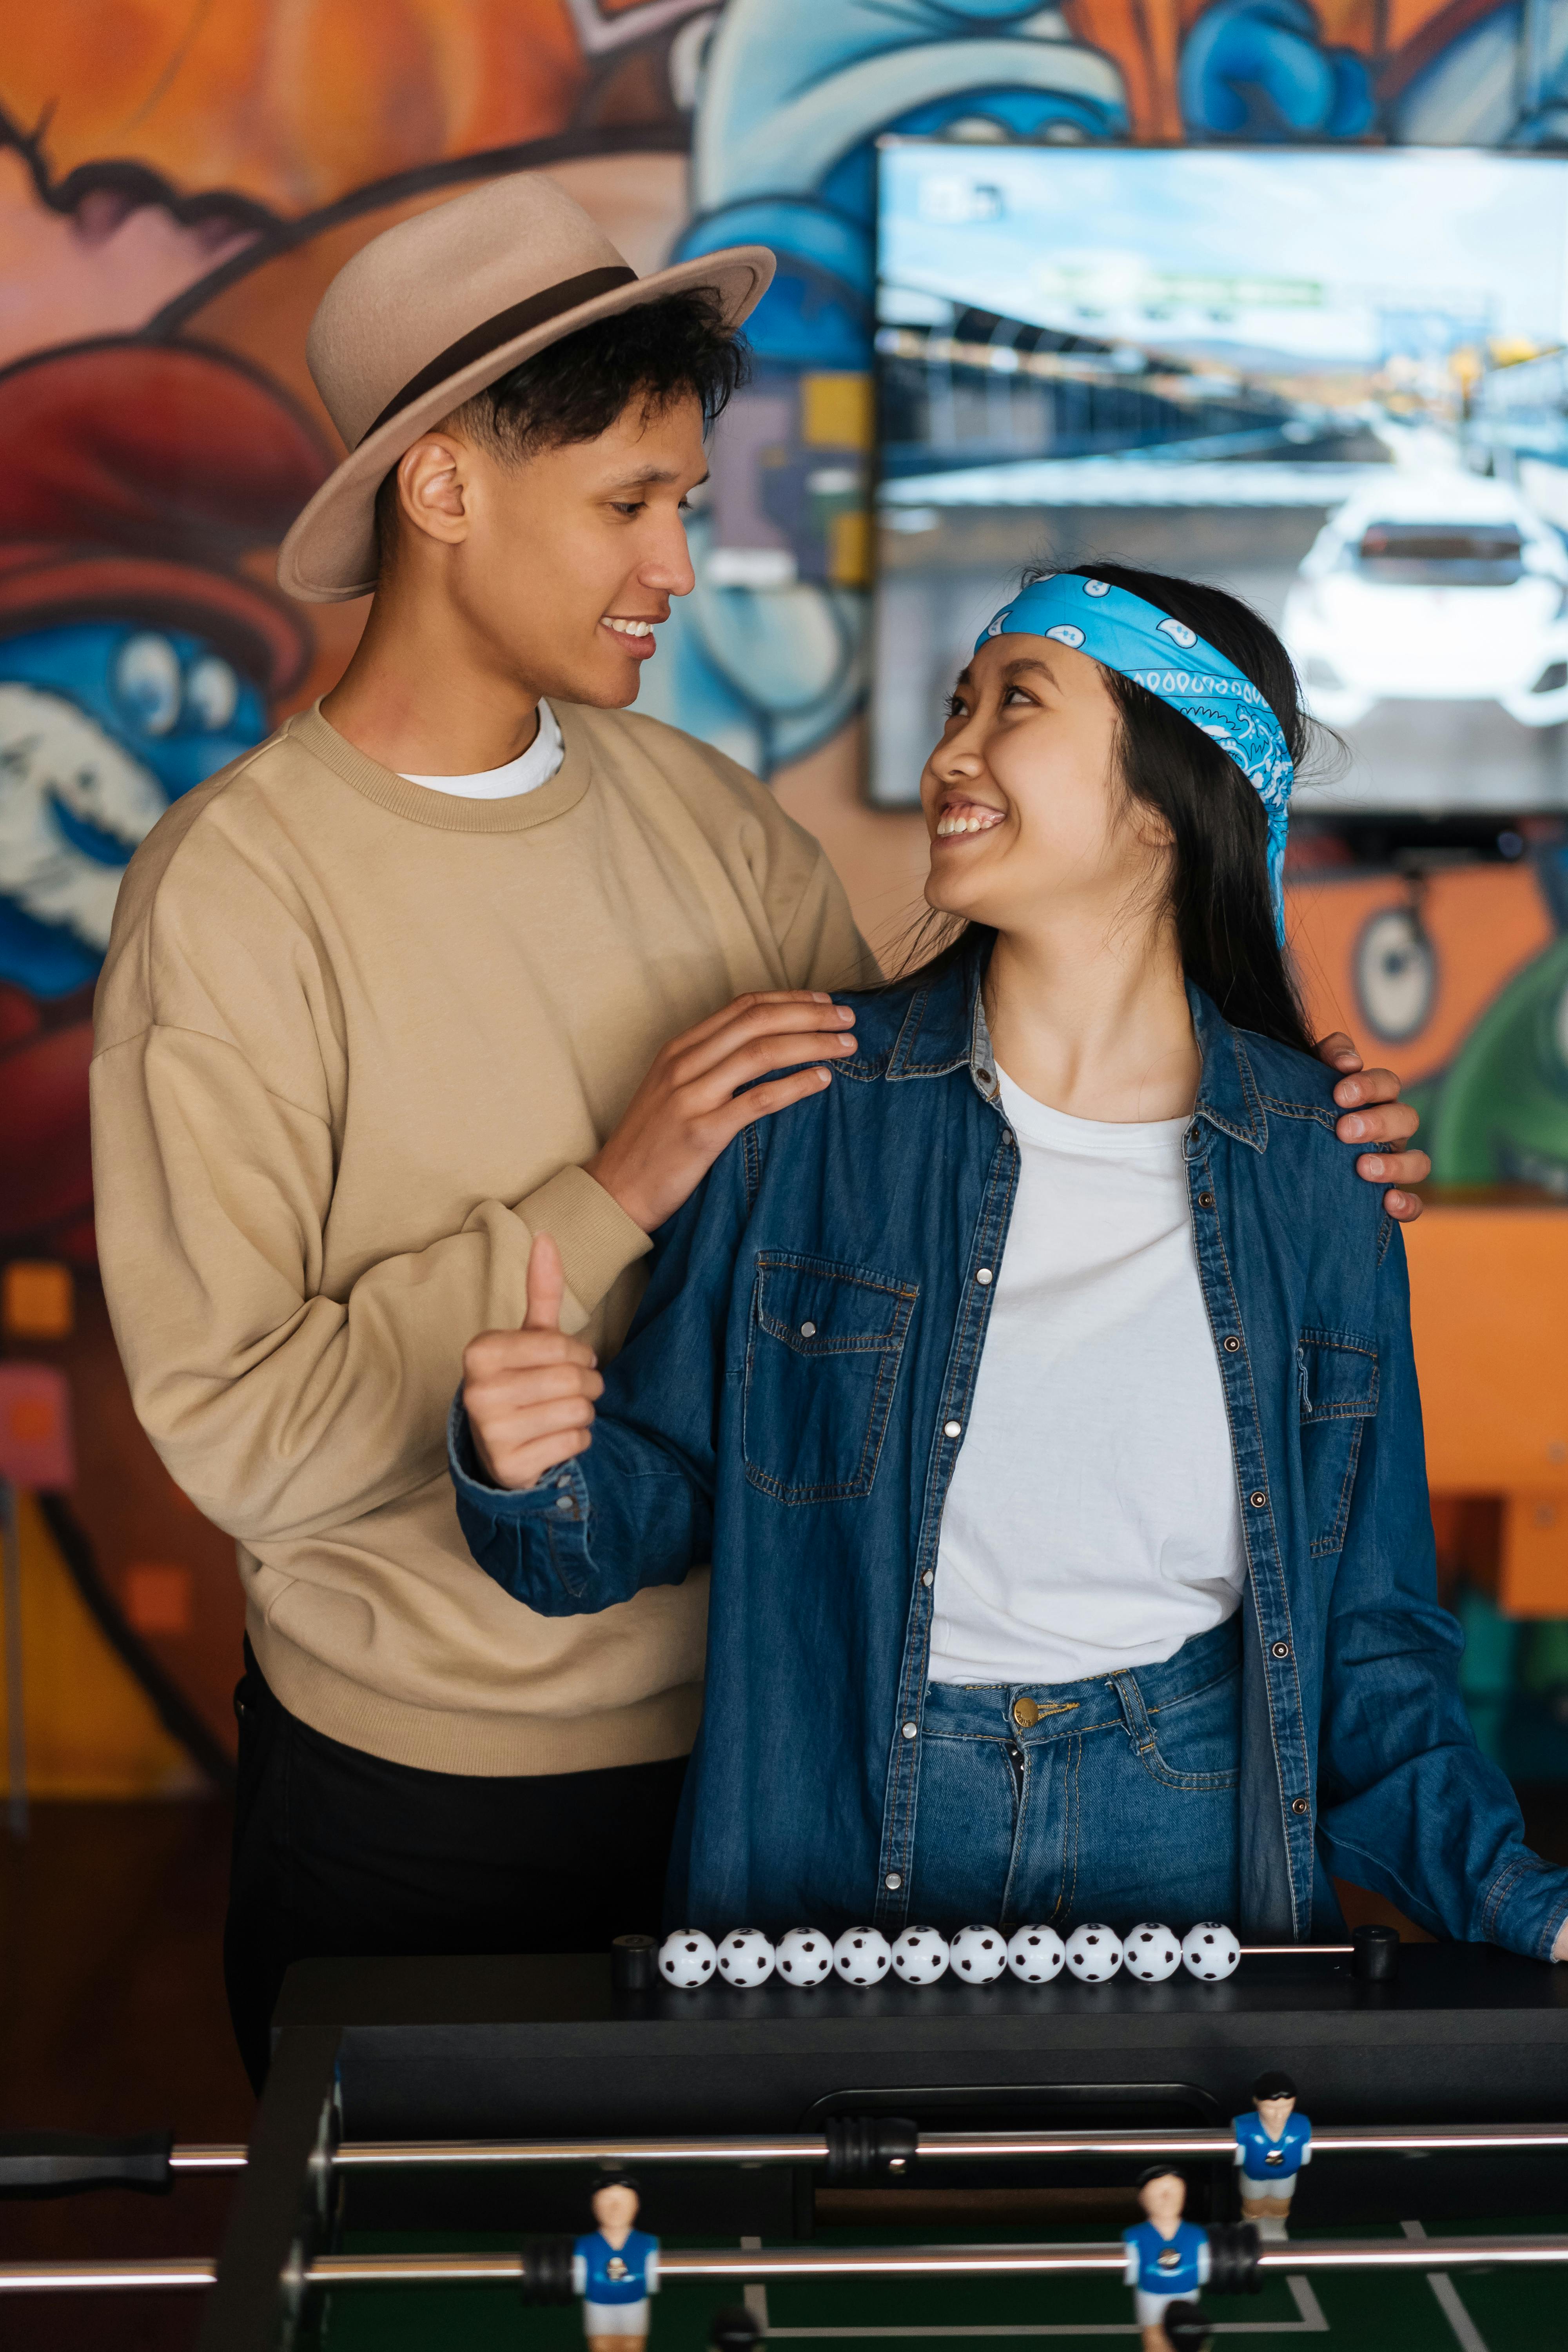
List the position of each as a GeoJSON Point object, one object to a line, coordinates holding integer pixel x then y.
{"type": "Point", "coordinates": [1231, 1345]}
{"type": "Point", "coordinates": [953, 1429]}
{"type": "Point", "coordinates": [1205, 1199]}
{"type": "Point", "coordinates": [910, 1730]}
{"type": "Point", "coordinates": [929, 1579]}
{"type": "Point", "coordinates": [983, 1275]}
{"type": "Point", "coordinates": [1298, 1804]}
{"type": "Point", "coordinates": [893, 1879]}
{"type": "Point", "coordinates": [1025, 1713]}
{"type": "Point", "coordinates": [1280, 1650]}
{"type": "Point", "coordinates": [1258, 1500]}
{"type": "Point", "coordinates": [808, 1331]}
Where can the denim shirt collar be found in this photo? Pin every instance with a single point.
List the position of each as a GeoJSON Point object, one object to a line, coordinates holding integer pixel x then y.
{"type": "Point", "coordinates": [945, 1027]}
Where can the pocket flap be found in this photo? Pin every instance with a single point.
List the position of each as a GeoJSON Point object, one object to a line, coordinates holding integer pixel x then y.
{"type": "Point", "coordinates": [822, 1310]}
{"type": "Point", "coordinates": [1337, 1372]}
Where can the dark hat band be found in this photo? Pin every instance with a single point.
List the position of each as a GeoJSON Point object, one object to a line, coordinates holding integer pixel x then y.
{"type": "Point", "coordinates": [522, 318]}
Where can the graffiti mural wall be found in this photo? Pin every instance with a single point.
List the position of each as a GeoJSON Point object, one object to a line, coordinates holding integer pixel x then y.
{"type": "Point", "coordinates": [177, 185]}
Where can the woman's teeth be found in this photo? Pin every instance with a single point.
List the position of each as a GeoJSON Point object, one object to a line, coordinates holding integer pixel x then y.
{"type": "Point", "coordinates": [629, 628]}
{"type": "Point", "coordinates": [966, 820]}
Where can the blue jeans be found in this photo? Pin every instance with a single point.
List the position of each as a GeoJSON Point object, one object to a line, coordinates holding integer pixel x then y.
{"type": "Point", "coordinates": [1117, 1802]}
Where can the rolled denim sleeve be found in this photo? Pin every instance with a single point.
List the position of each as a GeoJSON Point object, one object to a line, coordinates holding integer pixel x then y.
{"type": "Point", "coordinates": [637, 1508]}
{"type": "Point", "coordinates": [1408, 1804]}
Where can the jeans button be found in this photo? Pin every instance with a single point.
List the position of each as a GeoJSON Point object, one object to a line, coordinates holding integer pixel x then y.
{"type": "Point", "coordinates": [1279, 1649]}
{"type": "Point", "coordinates": [1257, 1499]}
{"type": "Point", "coordinates": [1025, 1713]}
{"type": "Point", "coordinates": [1299, 1805]}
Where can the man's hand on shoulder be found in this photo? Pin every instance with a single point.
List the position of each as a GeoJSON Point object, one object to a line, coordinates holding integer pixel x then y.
{"type": "Point", "coordinates": [528, 1394]}
{"type": "Point", "coordinates": [687, 1109]}
{"type": "Point", "coordinates": [1379, 1125]}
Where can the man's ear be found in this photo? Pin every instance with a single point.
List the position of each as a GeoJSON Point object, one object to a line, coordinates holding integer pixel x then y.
{"type": "Point", "coordinates": [434, 488]}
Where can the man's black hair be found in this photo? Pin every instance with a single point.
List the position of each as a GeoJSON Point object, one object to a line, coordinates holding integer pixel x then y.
{"type": "Point", "coordinates": [614, 2180]}
{"type": "Point", "coordinates": [1162, 2172]}
{"type": "Point", "coordinates": [1274, 2085]}
{"type": "Point", "coordinates": [646, 358]}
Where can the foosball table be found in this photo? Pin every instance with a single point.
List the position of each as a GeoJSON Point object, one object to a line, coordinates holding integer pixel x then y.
{"type": "Point", "coordinates": [894, 2164]}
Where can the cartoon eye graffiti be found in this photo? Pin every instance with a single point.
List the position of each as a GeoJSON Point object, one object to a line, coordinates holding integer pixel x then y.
{"type": "Point", "coordinates": [1097, 587]}
{"type": "Point", "coordinates": [1177, 631]}
{"type": "Point", "coordinates": [212, 693]}
{"type": "Point", "coordinates": [147, 682]}
{"type": "Point", "coordinates": [1396, 974]}
{"type": "Point", "coordinates": [1066, 634]}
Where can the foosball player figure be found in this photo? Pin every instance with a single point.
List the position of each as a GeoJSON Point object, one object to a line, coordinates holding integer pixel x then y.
{"type": "Point", "coordinates": [615, 2267]}
{"type": "Point", "coordinates": [1272, 2144]}
{"type": "Point", "coordinates": [1167, 2258]}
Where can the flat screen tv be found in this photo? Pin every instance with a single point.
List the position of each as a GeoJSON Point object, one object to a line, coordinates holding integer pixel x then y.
{"type": "Point", "coordinates": [1334, 381]}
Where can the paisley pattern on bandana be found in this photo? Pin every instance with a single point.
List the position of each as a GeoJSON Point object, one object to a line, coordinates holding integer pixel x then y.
{"type": "Point", "coordinates": [1125, 634]}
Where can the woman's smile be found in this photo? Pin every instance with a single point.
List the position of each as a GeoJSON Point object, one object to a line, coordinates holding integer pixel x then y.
{"type": "Point", "coordinates": [960, 815]}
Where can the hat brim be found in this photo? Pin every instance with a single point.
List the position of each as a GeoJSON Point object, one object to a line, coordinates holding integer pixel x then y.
{"type": "Point", "coordinates": [330, 552]}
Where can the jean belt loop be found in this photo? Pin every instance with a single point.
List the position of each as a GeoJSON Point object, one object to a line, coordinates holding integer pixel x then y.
{"type": "Point", "coordinates": [1134, 1714]}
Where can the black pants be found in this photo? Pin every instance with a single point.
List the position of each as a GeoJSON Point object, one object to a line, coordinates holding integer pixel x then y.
{"type": "Point", "coordinates": [337, 1854]}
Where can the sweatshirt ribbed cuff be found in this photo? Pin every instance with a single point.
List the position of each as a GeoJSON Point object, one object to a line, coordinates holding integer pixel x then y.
{"type": "Point", "coordinates": [596, 1239]}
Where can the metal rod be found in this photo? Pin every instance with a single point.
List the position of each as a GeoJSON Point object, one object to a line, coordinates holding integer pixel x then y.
{"type": "Point", "coordinates": [166, 2271]}
{"type": "Point", "coordinates": [748, 2264]}
{"type": "Point", "coordinates": [811, 2148]}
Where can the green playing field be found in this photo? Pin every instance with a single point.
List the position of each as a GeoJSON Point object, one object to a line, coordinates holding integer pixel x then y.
{"type": "Point", "coordinates": [1510, 2310]}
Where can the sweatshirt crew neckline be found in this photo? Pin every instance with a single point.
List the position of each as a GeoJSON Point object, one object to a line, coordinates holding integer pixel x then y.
{"type": "Point", "coordinates": [443, 811]}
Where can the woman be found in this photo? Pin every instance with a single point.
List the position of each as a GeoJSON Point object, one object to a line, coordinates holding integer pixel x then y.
{"type": "Point", "coordinates": [1042, 1393]}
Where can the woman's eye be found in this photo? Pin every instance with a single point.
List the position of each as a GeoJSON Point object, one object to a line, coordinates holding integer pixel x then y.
{"type": "Point", "coordinates": [628, 507]}
{"type": "Point", "coordinates": [1015, 694]}
{"type": "Point", "coordinates": [956, 708]}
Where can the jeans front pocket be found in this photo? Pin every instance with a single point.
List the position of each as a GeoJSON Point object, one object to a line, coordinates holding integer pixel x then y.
{"type": "Point", "coordinates": [1337, 1378]}
{"type": "Point", "coordinates": [822, 1359]}
{"type": "Point", "coordinates": [1197, 1737]}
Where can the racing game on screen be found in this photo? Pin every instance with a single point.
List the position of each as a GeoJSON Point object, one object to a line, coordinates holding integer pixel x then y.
{"type": "Point", "coordinates": [1336, 384]}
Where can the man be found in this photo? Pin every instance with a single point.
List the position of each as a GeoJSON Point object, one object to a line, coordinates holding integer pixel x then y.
{"type": "Point", "coordinates": [381, 1003]}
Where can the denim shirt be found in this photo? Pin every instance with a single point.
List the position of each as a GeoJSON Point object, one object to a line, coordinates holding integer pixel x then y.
{"type": "Point", "coordinates": [790, 1404]}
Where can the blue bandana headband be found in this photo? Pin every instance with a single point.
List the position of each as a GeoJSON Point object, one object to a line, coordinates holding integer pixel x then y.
{"type": "Point", "coordinates": [1124, 633]}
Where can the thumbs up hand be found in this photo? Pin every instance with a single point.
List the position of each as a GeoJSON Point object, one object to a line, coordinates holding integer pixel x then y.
{"type": "Point", "coordinates": [528, 1394]}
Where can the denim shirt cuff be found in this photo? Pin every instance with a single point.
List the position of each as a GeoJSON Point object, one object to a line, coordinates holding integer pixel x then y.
{"type": "Point", "coordinates": [561, 1493]}
{"type": "Point", "coordinates": [1526, 1907]}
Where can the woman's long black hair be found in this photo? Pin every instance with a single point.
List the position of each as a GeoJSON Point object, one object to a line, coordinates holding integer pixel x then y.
{"type": "Point", "coordinates": [1217, 884]}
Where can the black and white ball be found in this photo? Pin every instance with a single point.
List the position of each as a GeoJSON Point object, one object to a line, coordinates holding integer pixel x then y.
{"type": "Point", "coordinates": [804, 1956]}
{"type": "Point", "coordinates": [1094, 1952]}
{"type": "Point", "coordinates": [1210, 1951]}
{"type": "Point", "coordinates": [1036, 1955]}
{"type": "Point", "coordinates": [921, 1956]}
{"type": "Point", "coordinates": [686, 1958]}
{"type": "Point", "coordinates": [861, 1956]}
{"type": "Point", "coordinates": [1149, 1951]}
{"type": "Point", "coordinates": [979, 1954]}
{"type": "Point", "coordinates": [745, 1957]}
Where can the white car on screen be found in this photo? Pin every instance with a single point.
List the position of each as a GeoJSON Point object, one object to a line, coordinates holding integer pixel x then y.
{"type": "Point", "coordinates": [1433, 587]}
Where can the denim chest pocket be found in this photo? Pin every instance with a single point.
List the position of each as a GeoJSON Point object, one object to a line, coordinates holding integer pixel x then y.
{"type": "Point", "coordinates": [1337, 1379]}
{"type": "Point", "coordinates": [822, 1361]}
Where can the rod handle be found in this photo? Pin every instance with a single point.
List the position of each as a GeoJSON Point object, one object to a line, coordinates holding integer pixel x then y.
{"type": "Point", "coordinates": [59, 2163]}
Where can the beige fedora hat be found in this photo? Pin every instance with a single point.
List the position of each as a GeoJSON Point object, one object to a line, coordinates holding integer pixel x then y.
{"type": "Point", "coordinates": [436, 308]}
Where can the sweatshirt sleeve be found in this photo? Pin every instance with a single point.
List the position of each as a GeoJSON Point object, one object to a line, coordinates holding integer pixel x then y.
{"type": "Point", "coordinates": [282, 1411]}
{"type": "Point", "coordinates": [819, 939]}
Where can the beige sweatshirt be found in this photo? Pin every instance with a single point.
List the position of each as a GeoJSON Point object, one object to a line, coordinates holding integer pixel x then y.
{"type": "Point", "coordinates": [355, 1040]}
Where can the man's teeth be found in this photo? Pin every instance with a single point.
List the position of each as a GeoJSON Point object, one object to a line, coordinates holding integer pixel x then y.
{"type": "Point", "coordinates": [953, 820]}
{"type": "Point", "coordinates": [629, 628]}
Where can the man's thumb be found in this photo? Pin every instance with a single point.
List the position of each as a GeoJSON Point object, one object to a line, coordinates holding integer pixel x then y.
{"type": "Point", "coordinates": [546, 1285]}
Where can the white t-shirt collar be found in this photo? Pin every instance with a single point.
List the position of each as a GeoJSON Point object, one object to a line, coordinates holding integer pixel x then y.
{"type": "Point", "coordinates": [524, 774]}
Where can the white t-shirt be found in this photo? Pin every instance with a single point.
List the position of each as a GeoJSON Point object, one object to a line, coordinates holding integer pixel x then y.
{"type": "Point", "coordinates": [524, 774]}
{"type": "Point", "coordinates": [1092, 1522]}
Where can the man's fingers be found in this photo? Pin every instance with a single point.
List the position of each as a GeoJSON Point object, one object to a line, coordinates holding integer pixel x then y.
{"type": "Point", "coordinates": [739, 1006]}
{"type": "Point", "coordinates": [724, 1124]}
{"type": "Point", "coordinates": [754, 1061]}
{"type": "Point", "coordinates": [493, 1393]}
{"type": "Point", "coordinates": [1394, 1166]}
{"type": "Point", "coordinates": [504, 1431]}
{"type": "Point", "coordinates": [781, 1029]}
{"type": "Point", "coordinates": [546, 1285]}
{"type": "Point", "coordinates": [1337, 1050]}
{"type": "Point", "coordinates": [1391, 1122]}
{"type": "Point", "coordinates": [1402, 1207]}
{"type": "Point", "coordinates": [1367, 1086]}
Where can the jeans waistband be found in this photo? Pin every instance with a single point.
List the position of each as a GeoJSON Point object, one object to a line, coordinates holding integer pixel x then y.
{"type": "Point", "coordinates": [1043, 1710]}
